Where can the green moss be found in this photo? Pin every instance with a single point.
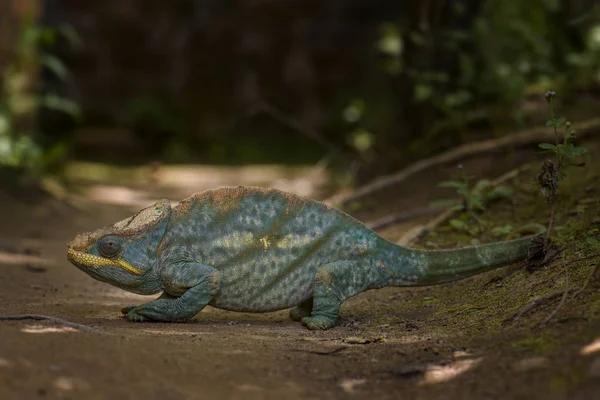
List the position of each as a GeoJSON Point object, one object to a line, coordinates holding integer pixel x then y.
{"type": "Point", "coordinates": [534, 344]}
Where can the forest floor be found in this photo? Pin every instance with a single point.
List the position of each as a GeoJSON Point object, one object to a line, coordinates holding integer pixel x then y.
{"type": "Point", "coordinates": [449, 341]}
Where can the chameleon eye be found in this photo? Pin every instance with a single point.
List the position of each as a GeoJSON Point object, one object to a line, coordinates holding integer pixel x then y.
{"type": "Point", "coordinates": [109, 246]}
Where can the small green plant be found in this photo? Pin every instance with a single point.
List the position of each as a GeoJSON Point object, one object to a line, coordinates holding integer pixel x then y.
{"type": "Point", "coordinates": [564, 151]}
{"type": "Point", "coordinates": [472, 198]}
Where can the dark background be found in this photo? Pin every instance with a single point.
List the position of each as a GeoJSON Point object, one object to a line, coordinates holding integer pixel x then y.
{"type": "Point", "coordinates": [368, 86]}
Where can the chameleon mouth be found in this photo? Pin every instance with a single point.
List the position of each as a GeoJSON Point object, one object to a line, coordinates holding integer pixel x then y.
{"type": "Point", "coordinates": [92, 261]}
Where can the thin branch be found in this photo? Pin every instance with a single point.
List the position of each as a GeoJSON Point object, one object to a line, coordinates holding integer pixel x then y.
{"type": "Point", "coordinates": [56, 320]}
{"type": "Point", "coordinates": [591, 276]}
{"type": "Point", "coordinates": [295, 125]}
{"type": "Point", "coordinates": [562, 300]}
{"type": "Point", "coordinates": [536, 302]}
{"type": "Point", "coordinates": [518, 139]}
{"type": "Point", "coordinates": [403, 216]}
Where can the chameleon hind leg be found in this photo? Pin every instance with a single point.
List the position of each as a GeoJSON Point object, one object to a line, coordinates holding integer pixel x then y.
{"type": "Point", "coordinates": [334, 283]}
{"type": "Point", "coordinates": [302, 310]}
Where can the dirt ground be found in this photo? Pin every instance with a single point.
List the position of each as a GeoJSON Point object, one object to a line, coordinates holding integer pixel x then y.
{"type": "Point", "coordinates": [443, 342]}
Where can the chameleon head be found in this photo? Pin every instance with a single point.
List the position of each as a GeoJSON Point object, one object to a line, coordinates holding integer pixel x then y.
{"type": "Point", "coordinates": [123, 254]}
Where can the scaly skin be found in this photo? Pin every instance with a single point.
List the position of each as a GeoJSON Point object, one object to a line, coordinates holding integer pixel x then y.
{"type": "Point", "coordinates": [257, 250]}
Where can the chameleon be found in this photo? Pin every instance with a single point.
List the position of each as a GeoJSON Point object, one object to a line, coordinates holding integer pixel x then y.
{"type": "Point", "coordinates": [254, 249]}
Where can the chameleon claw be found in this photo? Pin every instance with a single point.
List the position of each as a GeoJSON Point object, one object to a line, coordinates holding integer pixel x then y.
{"type": "Point", "coordinates": [318, 322]}
{"type": "Point", "coordinates": [135, 317]}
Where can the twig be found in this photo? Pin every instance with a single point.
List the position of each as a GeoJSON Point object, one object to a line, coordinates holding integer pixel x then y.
{"type": "Point", "coordinates": [534, 303]}
{"type": "Point", "coordinates": [591, 276]}
{"type": "Point", "coordinates": [414, 235]}
{"type": "Point", "coordinates": [56, 320]}
{"type": "Point", "coordinates": [563, 298]}
{"type": "Point", "coordinates": [522, 138]}
{"type": "Point", "coordinates": [295, 125]}
{"type": "Point", "coordinates": [322, 353]}
{"type": "Point", "coordinates": [403, 216]}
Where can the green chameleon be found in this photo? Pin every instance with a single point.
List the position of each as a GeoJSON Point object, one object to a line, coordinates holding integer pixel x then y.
{"type": "Point", "coordinates": [257, 250]}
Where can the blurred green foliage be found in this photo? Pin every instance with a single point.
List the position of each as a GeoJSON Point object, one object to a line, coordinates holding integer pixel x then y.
{"type": "Point", "coordinates": [414, 78]}
{"type": "Point", "coordinates": [474, 70]}
{"type": "Point", "coordinates": [20, 100]}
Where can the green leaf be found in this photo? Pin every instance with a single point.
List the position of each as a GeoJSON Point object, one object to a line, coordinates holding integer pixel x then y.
{"type": "Point", "coordinates": [444, 203]}
{"type": "Point", "coordinates": [457, 224]}
{"type": "Point", "coordinates": [500, 192]}
{"type": "Point", "coordinates": [579, 150]}
{"type": "Point", "coordinates": [551, 122]}
{"type": "Point", "coordinates": [546, 146]}
{"type": "Point", "coordinates": [560, 121]}
{"type": "Point", "coordinates": [592, 241]}
{"type": "Point", "coordinates": [57, 103]}
{"type": "Point", "coordinates": [501, 230]}
{"type": "Point", "coordinates": [423, 92]}
{"type": "Point", "coordinates": [477, 203]}
{"type": "Point", "coordinates": [482, 185]}
{"type": "Point", "coordinates": [453, 184]}
{"type": "Point", "coordinates": [55, 65]}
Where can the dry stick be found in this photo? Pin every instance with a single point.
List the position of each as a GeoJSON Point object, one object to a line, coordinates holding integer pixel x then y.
{"type": "Point", "coordinates": [525, 137]}
{"type": "Point", "coordinates": [534, 303]}
{"type": "Point", "coordinates": [56, 320]}
{"type": "Point", "coordinates": [412, 236]}
{"type": "Point", "coordinates": [591, 276]}
{"type": "Point", "coordinates": [295, 125]}
{"type": "Point", "coordinates": [403, 216]}
{"type": "Point", "coordinates": [563, 298]}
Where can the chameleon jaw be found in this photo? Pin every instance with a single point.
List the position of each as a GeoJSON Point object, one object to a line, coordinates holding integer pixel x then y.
{"type": "Point", "coordinates": [92, 261]}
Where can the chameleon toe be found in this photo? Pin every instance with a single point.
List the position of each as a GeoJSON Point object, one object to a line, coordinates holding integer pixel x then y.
{"type": "Point", "coordinates": [318, 322]}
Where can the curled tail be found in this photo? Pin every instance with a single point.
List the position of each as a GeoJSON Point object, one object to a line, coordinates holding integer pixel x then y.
{"type": "Point", "coordinates": [450, 265]}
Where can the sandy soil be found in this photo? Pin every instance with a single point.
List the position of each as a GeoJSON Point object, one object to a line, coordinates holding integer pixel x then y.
{"type": "Point", "coordinates": [390, 344]}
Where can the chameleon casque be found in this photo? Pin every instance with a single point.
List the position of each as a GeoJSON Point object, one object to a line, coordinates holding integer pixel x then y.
{"type": "Point", "coordinates": [256, 250]}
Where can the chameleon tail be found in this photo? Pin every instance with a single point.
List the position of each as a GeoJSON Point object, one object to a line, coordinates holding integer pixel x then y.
{"type": "Point", "coordinates": [450, 265]}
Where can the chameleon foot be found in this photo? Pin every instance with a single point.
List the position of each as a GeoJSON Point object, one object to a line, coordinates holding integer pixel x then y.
{"type": "Point", "coordinates": [125, 309]}
{"type": "Point", "coordinates": [135, 317]}
{"type": "Point", "coordinates": [297, 314]}
{"type": "Point", "coordinates": [302, 310]}
{"type": "Point", "coordinates": [318, 322]}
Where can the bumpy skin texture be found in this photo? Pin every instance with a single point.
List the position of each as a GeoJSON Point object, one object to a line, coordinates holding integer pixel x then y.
{"type": "Point", "coordinates": [256, 250]}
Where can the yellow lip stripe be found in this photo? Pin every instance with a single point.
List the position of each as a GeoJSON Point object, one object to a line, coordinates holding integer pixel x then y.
{"type": "Point", "coordinates": [90, 260]}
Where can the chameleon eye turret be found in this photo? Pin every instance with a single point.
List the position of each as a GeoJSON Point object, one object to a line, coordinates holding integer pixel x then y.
{"type": "Point", "coordinates": [109, 246]}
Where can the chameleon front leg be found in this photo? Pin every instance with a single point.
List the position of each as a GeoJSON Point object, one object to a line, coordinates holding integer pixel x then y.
{"type": "Point", "coordinates": [334, 283]}
{"type": "Point", "coordinates": [125, 309]}
{"type": "Point", "coordinates": [189, 287]}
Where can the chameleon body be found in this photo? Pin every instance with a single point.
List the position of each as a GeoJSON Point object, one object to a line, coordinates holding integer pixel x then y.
{"type": "Point", "coordinates": [257, 250]}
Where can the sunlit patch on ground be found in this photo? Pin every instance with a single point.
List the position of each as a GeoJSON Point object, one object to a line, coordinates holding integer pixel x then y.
{"type": "Point", "coordinates": [117, 293]}
{"type": "Point", "coordinates": [13, 258]}
{"type": "Point", "coordinates": [47, 329]}
{"type": "Point", "coordinates": [591, 348]}
{"type": "Point", "coordinates": [4, 363]}
{"type": "Point", "coordinates": [177, 182]}
{"type": "Point", "coordinates": [443, 373]}
{"type": "Point", "coordinates": [348, 385]}
{"type": "Point", "coordinates": [118, 195]}
{"type": "Point", "coordinates": [66, 384]}
{"type": "Point", "coordinates": [527, 364]}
